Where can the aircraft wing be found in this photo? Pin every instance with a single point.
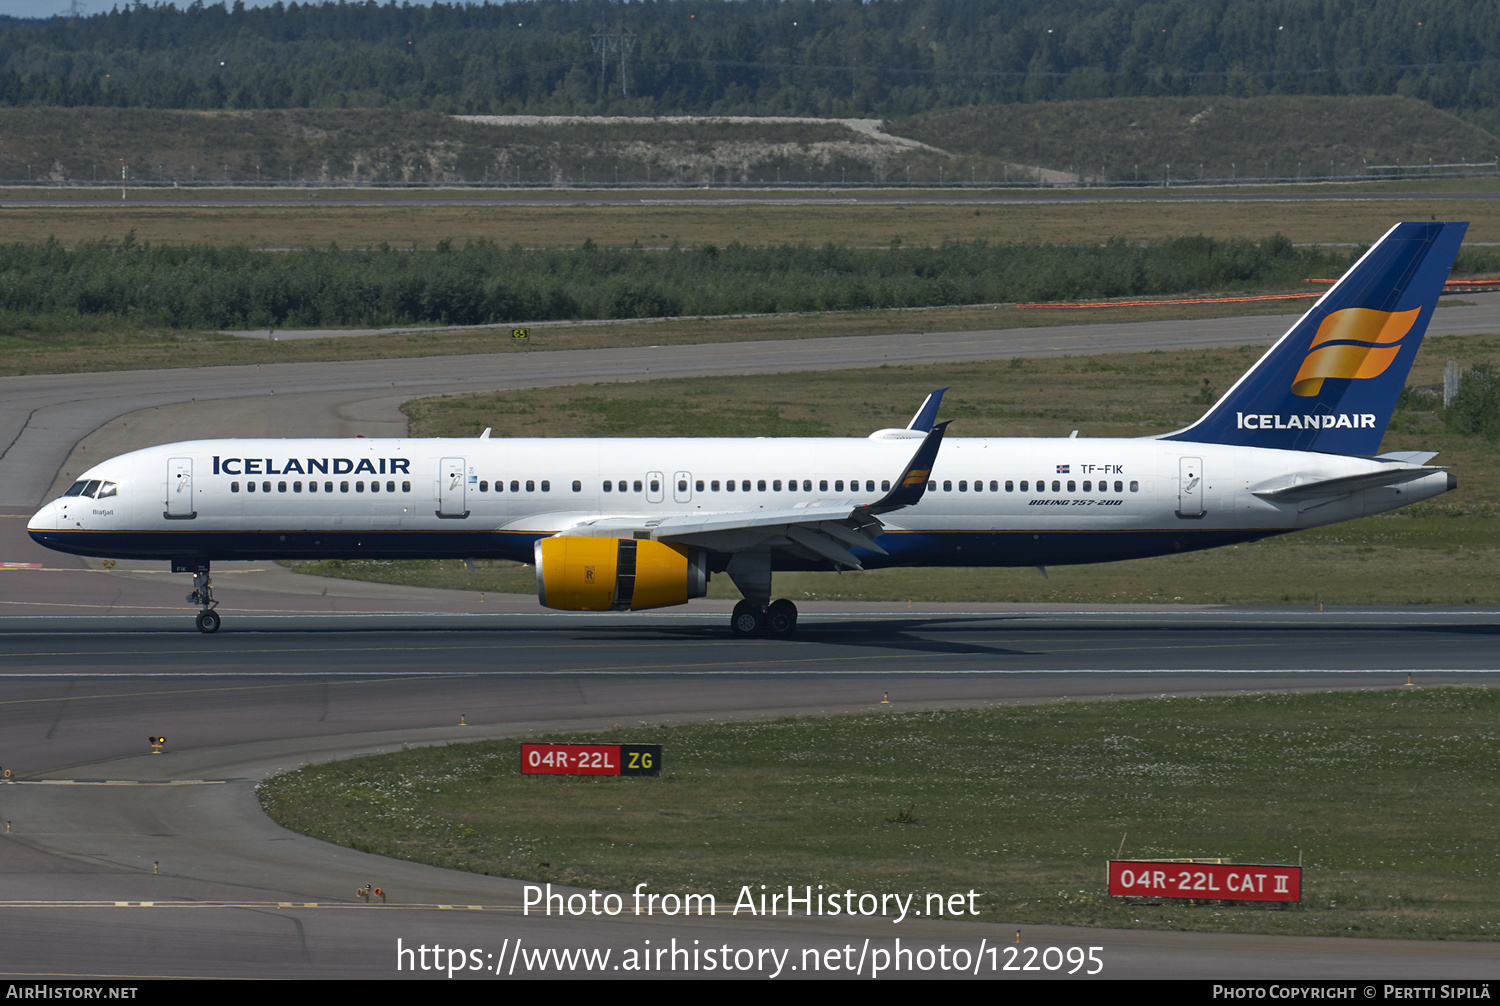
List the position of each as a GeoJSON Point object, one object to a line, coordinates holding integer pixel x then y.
{"type": "Point", "coordinates": [827, 530]}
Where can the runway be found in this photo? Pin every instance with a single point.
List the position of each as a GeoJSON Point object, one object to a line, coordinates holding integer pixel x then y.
{"type": "Point", "coordinates": [865, 642]}
{"type": "Point", "coordinates": [121, 863]}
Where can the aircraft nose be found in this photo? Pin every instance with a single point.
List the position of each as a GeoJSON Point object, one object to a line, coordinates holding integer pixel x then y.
{"type": "Point", "coordinates": [48, 518]}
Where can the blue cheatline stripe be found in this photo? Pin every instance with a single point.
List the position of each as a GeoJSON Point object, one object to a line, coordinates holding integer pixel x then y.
{"type": "Point", "coordinates": [1032, 547]}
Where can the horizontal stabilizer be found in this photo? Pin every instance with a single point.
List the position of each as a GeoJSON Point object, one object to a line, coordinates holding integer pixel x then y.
{"type": "Point", "coordinates": [1298, 491]}
{"type": "Point", "coordinates": [1408, 457]}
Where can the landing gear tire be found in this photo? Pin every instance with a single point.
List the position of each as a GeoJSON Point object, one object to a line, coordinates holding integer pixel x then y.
{"type": "Point", "coordinates": [781, 618]}
{"type": "Point", "coordinates": [208, 621]}
{"type": "Point", "coordinates": [748, 619]}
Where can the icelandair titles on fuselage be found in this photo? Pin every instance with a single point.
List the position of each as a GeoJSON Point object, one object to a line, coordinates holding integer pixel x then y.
{"type": "Point", "coordinates": [1342, 421]}
{"type": "Point", "coordinates": [311, 466]}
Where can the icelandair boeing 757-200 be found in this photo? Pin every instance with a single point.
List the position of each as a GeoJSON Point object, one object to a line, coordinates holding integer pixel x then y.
{"type": "Point", "coordinates": [634, 524]}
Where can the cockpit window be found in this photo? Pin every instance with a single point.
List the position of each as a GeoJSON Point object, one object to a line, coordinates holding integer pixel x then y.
{"type": "Point", "coordinates": [108, 489]}
{"type": "Point", "coordinates": [76, 489]}
{"type": "Point", "coordinates": [92, 488]}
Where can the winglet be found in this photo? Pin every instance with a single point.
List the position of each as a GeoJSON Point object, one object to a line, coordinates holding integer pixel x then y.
{"type": "Point", "coordinates": [927, 415]}
{"type": "Point", "coordinates": [912, 484]}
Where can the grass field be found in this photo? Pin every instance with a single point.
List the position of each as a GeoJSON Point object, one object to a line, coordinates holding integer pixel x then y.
{"type": "Point", "coordinates": [1387, 799]}
{"type": "Point", "coordinates": [718, 222]}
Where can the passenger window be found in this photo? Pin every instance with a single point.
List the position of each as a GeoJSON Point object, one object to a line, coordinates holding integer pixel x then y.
{"type": "Point", "coordinates": [328, 487]}
{"type": "Point", "coordinates": [406, 487]}
{"type": "Point", "coordinates": [281, 487]}
{"type": "Point", "coordinates": [484, 486]}
{"type": "Point", "coordinates": [931, 486]}
{"type": "Point", "coordinates": [312, 487]}
{"type": "Point", "coordinates": [359, 486]}
{"type": "Point", "coordinates": [1023, 485]}
{"type": "Point", "coordinates": [1086, 484]}
{"type": "Point", "coordinates": [838, 485]}
{"type": "Point", "coordinates": [822, 485]}
{"type": "Point", "coordinates": [265, 486]}
{"type": "Point", "coordinates": [234, 487]}
{"type": "Point", "coordinates": [700, 485]}
{"type": "Point", "coordinates": [1135, 486]}
{"type": "Point", "coordinates": [374, 487]}
{"type": "Point", "coordinates": [343, 487]}
{"type": "Point", "coordinates": [994, 486]}
{"type": "Point", "coordinates": [760, 485]}
{"type": "Point", "coordinates": [1072, 486]}
{"type": "Point", "coordinates": [1119, 487]}
{"type": "Point", "coordinates": [515, 485]}
{"type": "Point", "coordinates": [1056, 486]}
{"type": "Point", "coordinates": [637, 485]}
{"type": "Point", "coordinates": [963, 485]}
{"type": "Point", "coordinates": [1010, 486]}
{"type": "Point", "coordinates": [296, 487]}
{"type": "Point", "coordinates": [729, 486]}
{"type": "Point", "coordinates": [249, 487]}
{"type": "Point", "coordinates": [776, 485]}
{"type": "Point", "coordinates": [807, 485]}
{"type": "Point", "coordinates": [947, 486]}
{"type": "Point", "coordinates": [682, 485]}
{"type": "Point", "coordinates": [546, 486]}
{"type": "Point", "coordinates": [577, 486]}
{"type": "Point", "coordinates": [714, 485]}
{"type": "Point", "coordinates": [607, 485]}
{"type": "Point", "coordinates": [531, 485]}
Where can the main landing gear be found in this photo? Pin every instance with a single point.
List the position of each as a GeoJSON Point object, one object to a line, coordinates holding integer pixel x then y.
{"type": "Point", "coordinates": [779, 618]}
{"type": "Point", "coordinates": [757, 614]}
{"type": "Point", "coordinates": [203, 594]}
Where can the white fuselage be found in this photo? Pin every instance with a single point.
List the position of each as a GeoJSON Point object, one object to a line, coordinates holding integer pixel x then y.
{"type": "Point", "coordinates": [990, 502]}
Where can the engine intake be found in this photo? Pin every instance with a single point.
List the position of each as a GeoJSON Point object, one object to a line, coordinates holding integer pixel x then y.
{"type": "Point", "coordinates": [617, 574]}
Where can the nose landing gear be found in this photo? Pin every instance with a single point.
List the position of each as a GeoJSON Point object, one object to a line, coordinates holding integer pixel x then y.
{"type": "Point", "coordinates": [203, 593]}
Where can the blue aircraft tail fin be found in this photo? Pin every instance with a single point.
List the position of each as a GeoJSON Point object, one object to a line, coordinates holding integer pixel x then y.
{"type": "Point", "coordinates": [1331, 383]}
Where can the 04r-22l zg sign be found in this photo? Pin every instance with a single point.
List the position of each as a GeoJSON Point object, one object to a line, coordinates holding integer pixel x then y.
{"type": "Point", "coordinates": [591, 759]}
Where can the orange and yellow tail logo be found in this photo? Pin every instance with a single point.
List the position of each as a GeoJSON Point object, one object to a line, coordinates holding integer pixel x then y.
{"type": "Point", "coordinates": [915, 478]}
{"type": "Point", "coordinates": [1367, 344]}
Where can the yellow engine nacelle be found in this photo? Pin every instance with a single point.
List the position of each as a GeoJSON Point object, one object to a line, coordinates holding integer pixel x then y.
{"type": "Point", "coordinates": [617, 574]}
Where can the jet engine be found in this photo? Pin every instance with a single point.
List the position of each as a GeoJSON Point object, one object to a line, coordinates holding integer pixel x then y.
{"type": "Point", "coordinates": [617, 574]}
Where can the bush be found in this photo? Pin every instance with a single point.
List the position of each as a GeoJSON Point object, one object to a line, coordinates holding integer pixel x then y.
{"type": "Point", "coordinates": [1475, 409]}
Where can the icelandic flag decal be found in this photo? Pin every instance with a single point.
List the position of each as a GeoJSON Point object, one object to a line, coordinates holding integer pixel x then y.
{"type": "Point", "coordinates": [1062, 469]}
